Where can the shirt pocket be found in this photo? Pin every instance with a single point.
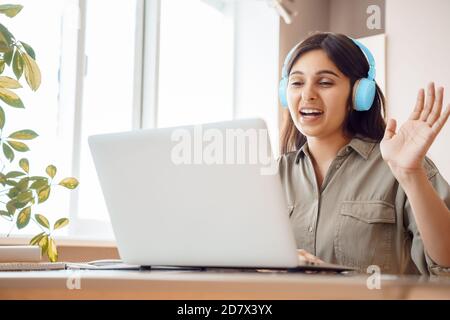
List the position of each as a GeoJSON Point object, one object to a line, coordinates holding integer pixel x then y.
{"type": "Point", "coordinates": [364, 234]}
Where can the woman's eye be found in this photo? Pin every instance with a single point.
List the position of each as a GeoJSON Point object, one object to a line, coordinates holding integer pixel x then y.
{"type": "Point", "coordinates": [324, 83]}
{"type": "Point", "coordinates": [297, 84]}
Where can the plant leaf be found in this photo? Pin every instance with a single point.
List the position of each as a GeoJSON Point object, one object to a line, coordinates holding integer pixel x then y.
{"type": "Point", "coordinates": [20, 205]}
{"type": "Point", "coordinates": [23, 135]}
{"type": "Point", "coordinates": [60, 223]}
{"type": "Point", "coordinates": [7, 57]}
{"type": "Point", "coordinates": [12, 183]}
{"type": "Point", "coordinates": [13, 192]}
{"type": "Point", "coordinates": [2, 118]}
{"type": "Point", "coordinates": [24, 164]}
{"type": "Point", "coordinates": [6, 215]}
{"type": "Point", "coordinates": [29, 49]}
{"type": "Point", "coordinates": [43, 194]}
{"type": "Point", "coordinates": [69, 183]}
{"type": "Point", "coordinates": [43, 221]}
{"type": "Point", "coordinates": [23, 184]}
{"type": "Point", "coordinates": [18, 146]}
{"type": "Point", "coordinates": [51, 171]}
{"type": "Point", "coordinates": [8, 152]}
{"type": "Point", "coordinates": [4, 47]}
{"type": "Point", "coordinates": [2, 63]}
{"type": "Point", "coordinates": [6, 37]}
{"type": "Point", "coordinates": [11, 206]}
{"type": "Point", "coordinates": [18, 64]}
{"type": "Point", "coordinates": [23, 218]}
{"type": "Point", "coordinates": [9, 83]}
{"type": "Point", "coordinates": [34, 178]}
{"type": "Point", "coordinates": [35, 240]}
{"type": "Point", "coordinates": [14, 174]}
{"type": "Point", "coordinates": [52, 251]}
{"type": "Point", "coordinates": [38, 184]}
{"type": "Point", "coordinates": [43, 243]}
{"type": "Point", "coordinates": [32, 72]}
{"type": "Point", "coordinates": [11, 98]}
{"type": "Point", "coordinates": [24, 197]}
{"type": "Point", "coordinates": [10, 10]}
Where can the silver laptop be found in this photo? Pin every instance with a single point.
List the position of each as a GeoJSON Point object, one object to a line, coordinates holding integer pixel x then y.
{"type": "Point", "coordinates": [198, 196]}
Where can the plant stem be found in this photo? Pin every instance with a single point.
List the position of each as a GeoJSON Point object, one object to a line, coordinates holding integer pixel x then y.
{"type": "Point", "coordinates": [1, 191]}
{"type": "Point", "coordinates": [5, 217]}
{"type": "Point", "coordinates": [10, 230]}
{"type": "Point", "coordinates": [38, 225]}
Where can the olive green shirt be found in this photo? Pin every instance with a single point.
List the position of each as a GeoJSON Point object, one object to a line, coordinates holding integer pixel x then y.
{"type": "Point", "coordinates": [360, 216]}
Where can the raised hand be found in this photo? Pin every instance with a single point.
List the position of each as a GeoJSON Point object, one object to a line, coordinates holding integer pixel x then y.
{"type": "Point", "coordinates": [405, 150]}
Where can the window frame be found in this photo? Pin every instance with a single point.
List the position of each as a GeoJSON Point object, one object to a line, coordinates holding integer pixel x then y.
{"type": "Point", "coordinates": [144, 101]}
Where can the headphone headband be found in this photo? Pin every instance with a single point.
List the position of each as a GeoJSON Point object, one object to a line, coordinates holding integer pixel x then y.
{"type": "Point", "coordinates": [369, 57]}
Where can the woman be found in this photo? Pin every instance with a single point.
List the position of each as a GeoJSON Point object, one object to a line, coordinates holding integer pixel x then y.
{"type": "Point", "coordinates": [360, 192]}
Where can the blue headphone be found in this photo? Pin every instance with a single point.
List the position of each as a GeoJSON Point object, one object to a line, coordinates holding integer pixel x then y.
{"type": "Point", "coordinates": [363, 90]}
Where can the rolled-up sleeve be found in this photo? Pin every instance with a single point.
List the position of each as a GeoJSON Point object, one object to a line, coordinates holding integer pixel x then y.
{"type": "Point", "coordinates": [420, 257]}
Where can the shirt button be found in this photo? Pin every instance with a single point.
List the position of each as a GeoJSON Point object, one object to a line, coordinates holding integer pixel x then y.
{"type": "Point", "coordinates": [310, 229]}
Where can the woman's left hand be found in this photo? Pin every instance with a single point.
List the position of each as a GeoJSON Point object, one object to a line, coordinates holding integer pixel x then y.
{"type": "Point", "coordinates": [405, 150]}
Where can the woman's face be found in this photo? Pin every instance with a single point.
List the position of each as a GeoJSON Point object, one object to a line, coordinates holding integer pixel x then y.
{"type": "Point", "coordinates": [317, 95]}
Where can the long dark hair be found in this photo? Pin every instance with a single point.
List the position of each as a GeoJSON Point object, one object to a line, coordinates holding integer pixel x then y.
{"type": "Point", "coordinates": [352, 62]}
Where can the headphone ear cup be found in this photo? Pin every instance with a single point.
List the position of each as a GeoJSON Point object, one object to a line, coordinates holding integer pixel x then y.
{"type": "Point", "coordinates": [282, 92]}
{"type": "Point", "coordinates": [363, 94]}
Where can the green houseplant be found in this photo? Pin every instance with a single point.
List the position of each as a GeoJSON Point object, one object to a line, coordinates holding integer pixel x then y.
{"type": "Point", "coordinates": [20, 192]}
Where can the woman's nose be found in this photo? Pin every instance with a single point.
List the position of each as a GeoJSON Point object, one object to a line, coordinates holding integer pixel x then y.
{"type": "Point", "coordinates": [308, 93]}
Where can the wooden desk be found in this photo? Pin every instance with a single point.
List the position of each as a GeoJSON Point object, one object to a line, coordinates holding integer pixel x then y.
{"type": "Point", "coordinates": [102, 284]}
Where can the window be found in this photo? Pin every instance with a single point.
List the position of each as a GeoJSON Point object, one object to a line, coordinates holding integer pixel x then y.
{"type": "Point", "coordinates": [107, 104]}
{"type": "Point", "coordinates": [196, 63]}
{"type": "Point", "coordinates": [118, 65]}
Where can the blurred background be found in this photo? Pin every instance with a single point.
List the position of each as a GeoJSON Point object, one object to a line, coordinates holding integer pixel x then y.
{"type": "Point", "coordinates": [117, 65]}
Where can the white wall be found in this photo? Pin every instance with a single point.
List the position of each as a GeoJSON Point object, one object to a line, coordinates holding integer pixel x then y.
{"type": "Point", "coordinates": [418, 51]}
{"type": "Point", "coordinates": [256, 64]}
{"type": "Point", "coordinates": [377, 46]}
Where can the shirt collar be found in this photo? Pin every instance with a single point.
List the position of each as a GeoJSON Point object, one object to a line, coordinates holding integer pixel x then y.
{"type": "Point", "coordinates": [363, 146]}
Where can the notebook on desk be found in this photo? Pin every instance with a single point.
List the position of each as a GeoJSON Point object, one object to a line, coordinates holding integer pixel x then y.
{"type": "Point", "coordinates": [32, 266]}
{"type": "Point", "coordinates": [172, 205]}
